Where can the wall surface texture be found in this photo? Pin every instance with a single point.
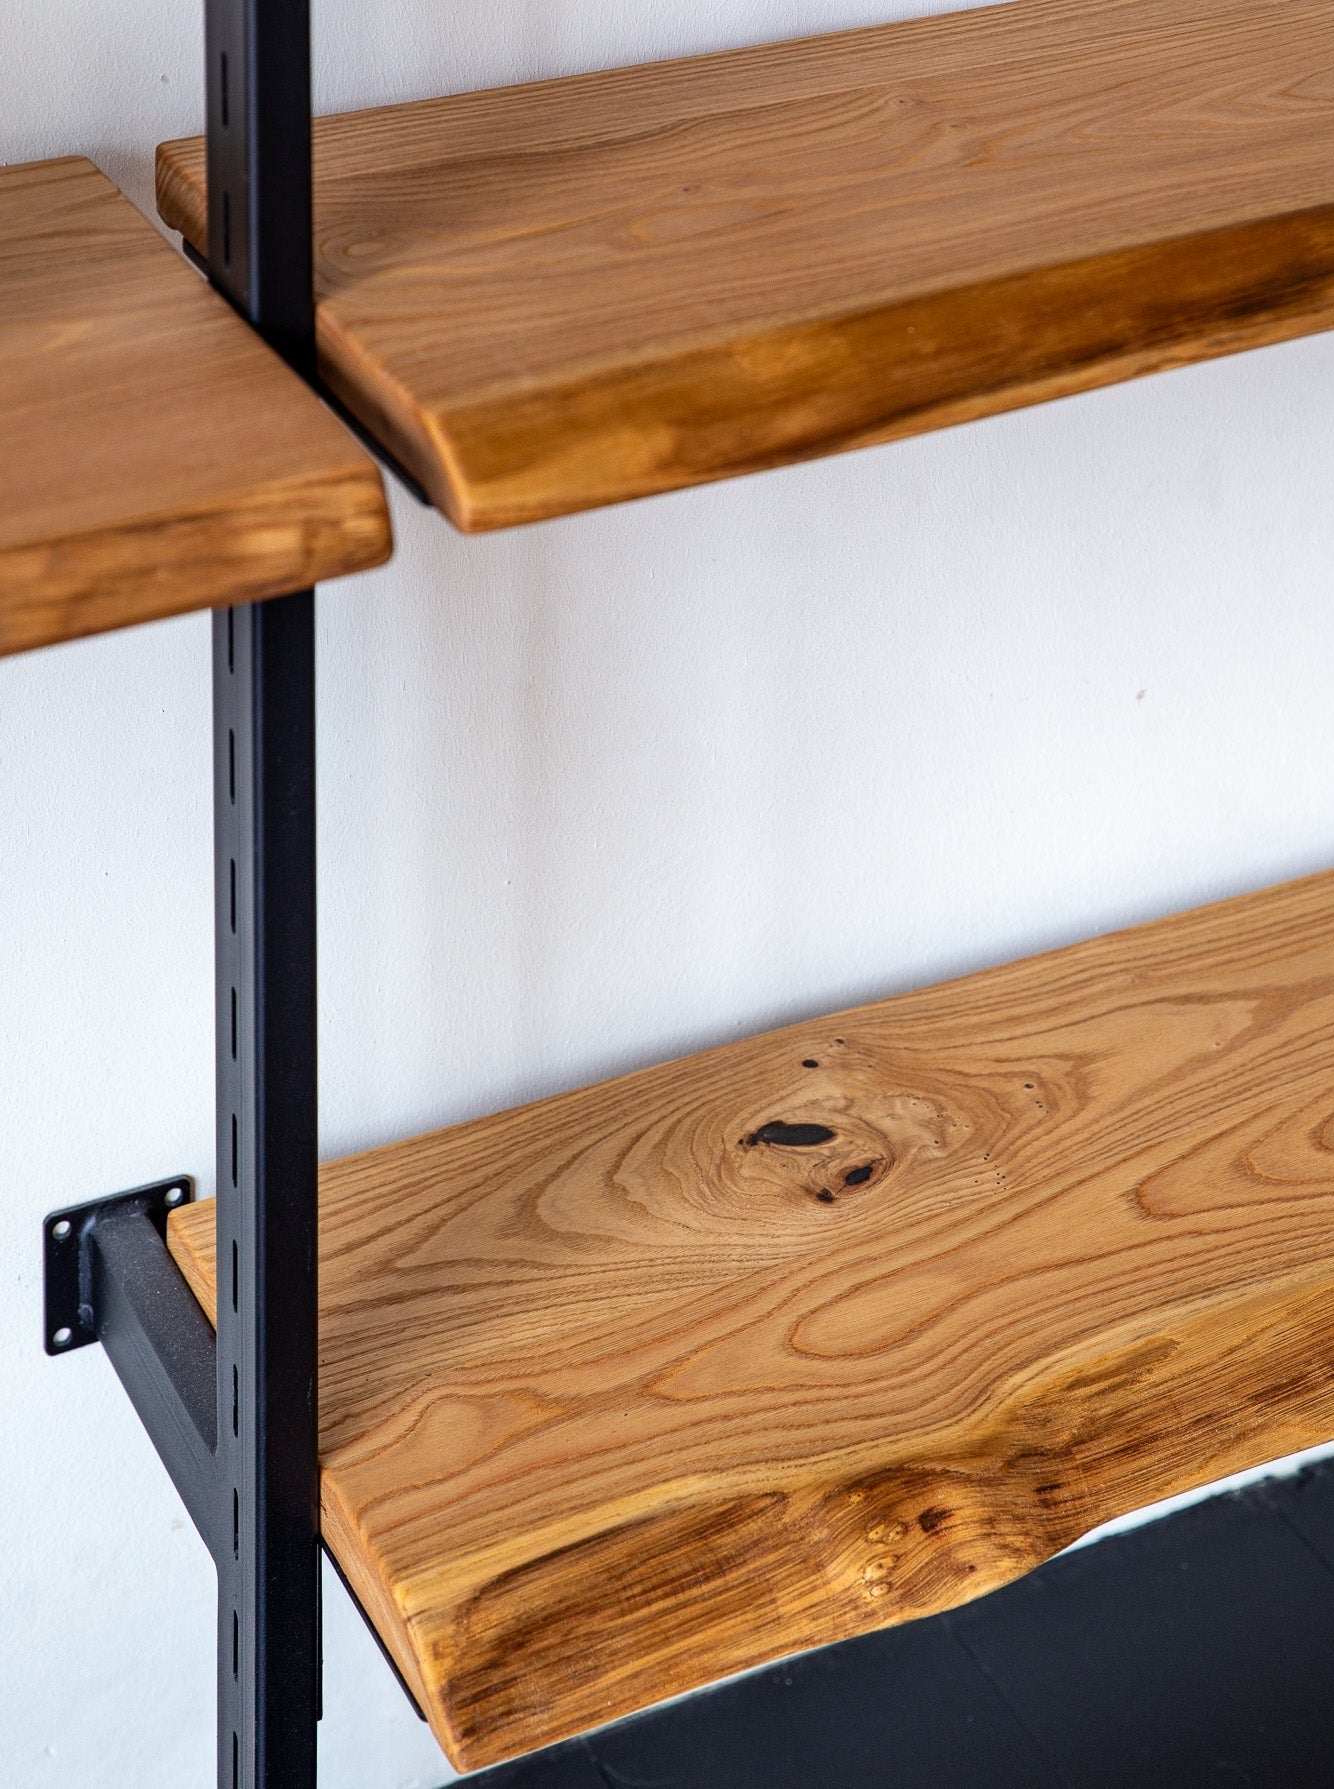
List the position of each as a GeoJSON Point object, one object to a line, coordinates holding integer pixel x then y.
{"type": "Point", "coordinates": [597, 793]}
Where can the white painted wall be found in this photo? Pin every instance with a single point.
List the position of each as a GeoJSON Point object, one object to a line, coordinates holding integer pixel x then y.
{"type": "Point", "coordinates": [594, 794]}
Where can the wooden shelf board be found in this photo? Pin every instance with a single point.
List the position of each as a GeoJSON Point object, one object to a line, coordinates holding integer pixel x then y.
{"type": "Point", "coordinates": [156, 455]}
{"type": "Point", "coordinates": [636, 1387]}
{"type": "Point", "coordinates": [566, 294]}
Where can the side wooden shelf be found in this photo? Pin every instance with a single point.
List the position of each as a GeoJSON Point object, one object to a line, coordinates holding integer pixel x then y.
{"type": "Point", "coordinates": [571, 293]}
{"type": "Point", "coordinates": [156, 456]}
{"type": "Point", "coordinates": [831, 1328]}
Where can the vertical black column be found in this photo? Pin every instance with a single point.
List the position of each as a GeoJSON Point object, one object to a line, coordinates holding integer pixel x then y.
{"type": "Point", "coordinates": [259, 166]}
{"type": "Point", "coordinates": [259, 196]}
{"type": "Point", "coordinates": [268, 1580]}
{"type": "Point", "coordinates": [263, 725]}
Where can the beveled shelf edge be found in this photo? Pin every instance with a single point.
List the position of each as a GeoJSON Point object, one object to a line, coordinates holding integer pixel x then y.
{"type": "Point", "coordinates": [331, 529]}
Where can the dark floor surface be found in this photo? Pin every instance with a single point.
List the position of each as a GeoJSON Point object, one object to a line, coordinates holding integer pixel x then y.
{"type": "Point", "coordinates": [1194, 1652]}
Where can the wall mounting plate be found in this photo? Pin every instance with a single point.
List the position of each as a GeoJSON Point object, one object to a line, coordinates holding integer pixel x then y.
{"type": "Point", "coordinates": [69, 1317]}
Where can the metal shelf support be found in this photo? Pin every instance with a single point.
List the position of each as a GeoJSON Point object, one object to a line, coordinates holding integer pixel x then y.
{"type": "Point", "coordinates": [260, 251]}
{"type": "Point", "coordinates": [264, 924]}
{"type": "Point", "coordinates": [235, 1416]}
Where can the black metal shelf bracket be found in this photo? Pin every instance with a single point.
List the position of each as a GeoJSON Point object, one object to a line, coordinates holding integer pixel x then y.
{"type": "Point", "coordinates": [68, 1260]}
{"type": "Point", "coordinates": [109, 1279]}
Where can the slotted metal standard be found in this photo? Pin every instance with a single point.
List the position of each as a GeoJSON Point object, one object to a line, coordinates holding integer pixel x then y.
{"type": "Point", "coordinates": [264, 921]}
{"type": "Point", "coordinates": [235, 1417]}
{"type": "Point", "coordinates": [259, 172]}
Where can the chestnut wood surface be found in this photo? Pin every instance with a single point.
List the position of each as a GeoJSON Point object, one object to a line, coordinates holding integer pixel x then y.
{"type": "Point", "coordinates": [578, 291]}
{"type": "Point", "coordinates": [829, 1328]}
{"type": "Point", "coordinates": [155, 455]}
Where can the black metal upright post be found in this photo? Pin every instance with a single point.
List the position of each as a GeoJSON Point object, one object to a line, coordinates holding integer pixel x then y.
{"type": "Point", "coordinates": [259, 167]}
{"type": "Point", "coordinates": [268, 1577]}
{"type": "Point", "coordinates": [234, 1416]}
{"type": "Point", "coordinates": [259, 190]}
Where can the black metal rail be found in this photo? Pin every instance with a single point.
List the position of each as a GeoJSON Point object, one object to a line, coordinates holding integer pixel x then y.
{"type": "Point", "coordinates": [264, 922]}
{"type": "Point", "coordinates": [234, 1417]}
{"type": "Point", "coordinates": [259, 189]}
{"type": "Point", "coordinates": [260, 237]}
{"type": "Point", "coordinates": [259, 167]}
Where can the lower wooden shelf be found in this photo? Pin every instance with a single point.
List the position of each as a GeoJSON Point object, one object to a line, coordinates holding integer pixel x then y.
{"type": "Point", "coordinates": [831, 1328]}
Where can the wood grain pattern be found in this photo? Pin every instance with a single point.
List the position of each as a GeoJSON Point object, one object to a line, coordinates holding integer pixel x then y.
{"type": "Point", "coordinates": [830, 1328]}
{"type": "Point", "coordinates": [580, 291]}
{"type": "Point", "coordinates": [155, 456]}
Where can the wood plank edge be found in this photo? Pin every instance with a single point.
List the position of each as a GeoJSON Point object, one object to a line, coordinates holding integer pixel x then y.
{"type": "Point", "coordinates": [192, 1243]}
{"type": "Point", "coordinates": [688, 1596]}
{"type": "Point", "coordinates": [284, 536]}
{"type": "Point", "coordinates": [836, 384]}
{"type": "Point", "coordinates": [178, 178]}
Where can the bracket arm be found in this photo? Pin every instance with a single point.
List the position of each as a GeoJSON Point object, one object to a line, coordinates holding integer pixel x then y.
{"type": "Point", "coordinates": [109, 1278]}
{"type": "Point", "coordinates": [163, 1349]}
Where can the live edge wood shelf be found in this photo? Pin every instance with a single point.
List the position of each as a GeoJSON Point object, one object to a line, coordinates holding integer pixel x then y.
{"type": "Point", "coordinates": [828, 1329]}
{"type": "Point", "coordinates": [565, 294]}
{"type": "Point", "coordinates": [156, 456]}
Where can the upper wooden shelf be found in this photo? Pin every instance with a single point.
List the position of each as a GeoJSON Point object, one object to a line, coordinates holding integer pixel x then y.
{"type": "Point", "coordinates": [566, 294]}
{"type": "Point", "coordinates": [155, 456]}
{"type": "Point", "coordinates": [824, 1330]}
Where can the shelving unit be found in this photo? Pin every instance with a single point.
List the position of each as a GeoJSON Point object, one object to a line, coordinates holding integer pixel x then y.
{"type": "Point", "coordinates": [827, 1329]}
